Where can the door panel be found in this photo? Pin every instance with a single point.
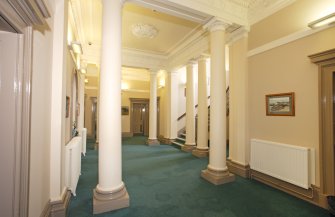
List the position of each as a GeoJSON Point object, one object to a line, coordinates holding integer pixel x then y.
{"type": "Point", "coordinates": [8, 90]}
{"type": "Point", "coordinates": [137, 119]}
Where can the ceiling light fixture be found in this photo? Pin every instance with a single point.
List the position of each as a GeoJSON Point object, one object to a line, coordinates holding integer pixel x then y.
{"type": "Point", "coordinates": [76, 47]}
{"type": "Point", "coordinates": [141, 30]}
{"type": "Point", "coordinates": [327, 20]}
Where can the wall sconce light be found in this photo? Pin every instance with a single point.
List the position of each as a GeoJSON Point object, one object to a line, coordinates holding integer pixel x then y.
{"type": "Point", "coordinates": [76, 47]}
{"type": "Point", "coordinates": [327, 20]}
{"type": "Point", "coordinates": [86, 80]}
{"type": "Point", "coordinates": [124, 86]}
{"type": "Point", "coordinates": [161, 83]}
{"type": "Point", "coordinates": [83, 71]}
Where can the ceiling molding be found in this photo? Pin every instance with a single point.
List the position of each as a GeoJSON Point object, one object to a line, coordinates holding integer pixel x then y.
{"type": "Point", "coordinates": [173, 9]}
{"type": "Point", "coordinates": [190, 51]}
{"type": "Point", "coordinates": [260, 11]}
{"type": "Point", "coordinates": [191, 36]}
{"type": "Point", "coordinates": [136, 90]}
{"type": "Point", "coordinates": [32, 12]}
{"type": "Point", "coordinates": [227, 10]}
{"type": "Point", "coordinates": [142, 59]}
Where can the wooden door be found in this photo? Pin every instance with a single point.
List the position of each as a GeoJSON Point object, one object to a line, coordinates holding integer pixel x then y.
{"type": "Point", "coordinates": [138, 118]}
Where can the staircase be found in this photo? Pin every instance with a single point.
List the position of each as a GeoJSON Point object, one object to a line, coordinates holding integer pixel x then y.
{"type": "Point", "coordinates": [180, 141]}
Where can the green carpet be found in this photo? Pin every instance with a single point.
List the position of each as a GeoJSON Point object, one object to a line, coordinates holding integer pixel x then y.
{"type": "Point", "coordinates": [163, 181]}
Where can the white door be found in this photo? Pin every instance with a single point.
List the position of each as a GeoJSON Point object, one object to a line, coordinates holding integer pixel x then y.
{"type": "Point", "coordinates": [9, 86]}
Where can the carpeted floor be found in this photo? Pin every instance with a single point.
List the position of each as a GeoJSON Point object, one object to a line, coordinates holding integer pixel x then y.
{"type": "Point", "coordinates": [163, 181]}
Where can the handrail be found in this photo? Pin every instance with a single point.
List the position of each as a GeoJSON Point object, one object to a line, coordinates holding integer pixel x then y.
{"type": "Point", "coordinates": [196, 106]}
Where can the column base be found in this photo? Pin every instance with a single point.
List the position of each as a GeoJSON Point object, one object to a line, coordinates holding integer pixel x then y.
{"type": "Point", "coordinates": [217, 177]}
{"type": "Point", "coordinates": [105, 202]}
{"type": "Point", "coordinates": [200, 153]}
{"type": "Point", "coordinates": [188, 147]}
{"type": "Point", "coordinates": [152, 142]}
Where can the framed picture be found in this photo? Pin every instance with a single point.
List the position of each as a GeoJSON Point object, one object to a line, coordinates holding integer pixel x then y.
{"type": "Point", "coordinates": [67, 110]}
{"type": "Point", "coordinates": [281, 104]}
{"type": "Point", "coordinates": [124, 110]}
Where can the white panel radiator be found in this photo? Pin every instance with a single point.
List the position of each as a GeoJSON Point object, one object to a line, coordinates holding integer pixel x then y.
{"type": "Point", "coordinates": [84, 137]}
{"type": "Point", "coordinates": [73, 163]}
{"type": "Point", "coordinates": [286, 162]}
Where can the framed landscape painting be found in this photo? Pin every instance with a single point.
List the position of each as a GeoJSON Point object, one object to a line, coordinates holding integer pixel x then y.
{"type": "Point", "coordinates": [281, 104]}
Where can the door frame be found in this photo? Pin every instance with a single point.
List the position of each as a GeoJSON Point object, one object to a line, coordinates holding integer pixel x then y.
{"type": "Point", "coordinates": [132, 102]}
{"type": "Point", "coordinates": [143, 101]}
{"type": "Point", "coordinates": [21, 16]}
{"type": "Point", "coordinates": [326, 62]}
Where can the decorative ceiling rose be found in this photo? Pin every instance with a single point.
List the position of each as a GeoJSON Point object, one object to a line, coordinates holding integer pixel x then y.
{"type": "Point", "coordinates": [141, 30]}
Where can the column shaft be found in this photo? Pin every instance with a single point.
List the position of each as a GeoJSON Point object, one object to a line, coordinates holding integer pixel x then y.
{"type": "Point", "coordinates": [110, 193]}
{"type": "Point", "coordinates": [152, 140]}
{"type": "Point", "coordinates": [202, 130]}
{"type": "Point", "coordinates": [217, 171]}
{"type": "Point", "coordinates": [190, 110]}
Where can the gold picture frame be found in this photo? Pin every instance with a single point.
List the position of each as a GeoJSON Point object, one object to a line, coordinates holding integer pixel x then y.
{"type": "Point", "coordinates": [281, 104]}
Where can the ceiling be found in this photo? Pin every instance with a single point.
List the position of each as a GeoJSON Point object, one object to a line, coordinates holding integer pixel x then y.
{"type": "Point", "coordinates": [172, 30]}
{"type": "Point", "coordinates": [174, 21]}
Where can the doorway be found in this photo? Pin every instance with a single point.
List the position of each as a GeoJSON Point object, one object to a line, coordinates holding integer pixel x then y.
{"type": "Point", "coordinates": [94, 123]}
{"type": "Point", "coordinates": [139, 116]}
{"type": "Point", "coordinates": [326, 62]}
{"type": "Point", "coordinates": [140, 119]}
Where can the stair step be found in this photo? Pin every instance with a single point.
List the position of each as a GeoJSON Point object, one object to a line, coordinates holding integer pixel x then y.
{"type": "Point", "coordinates": [177, 144]}
{"type": "Point", "coordinates": [183, 135]}
{"type": "Point", "coordinates": [181, 139]}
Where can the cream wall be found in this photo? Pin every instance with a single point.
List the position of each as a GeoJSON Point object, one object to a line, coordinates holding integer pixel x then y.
{"type": "Point", "coordinates": [239, 147]}
{"type": "Point", "coordinates": [39, 192]}
{"type": "Point", "coordinates": [287, 69]}
{"type": "Point", "coordinates": [69, 92]}
{"type": "Point", "coordinates": [161, 92]}
{"type": "Point", "coordinates": [289, 20]}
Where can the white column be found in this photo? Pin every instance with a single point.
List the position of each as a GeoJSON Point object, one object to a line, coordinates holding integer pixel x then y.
{"type": "Point", "coordinates": [173, 102]}
{"type": "Point", "coordinates": [58, 98]}
{"type": "Point", "coordinates": [171, 86]}
{"type": "Point", "coordinates": [110, 193]}
{"type": "Point", "coordinates": [190, 110]}
{"type": "Point", "coordinates": [152, 140]}
{"type": "Point", "coordinates": [202, 130]}
{"type": "Point", "coordinates": [217, 171]}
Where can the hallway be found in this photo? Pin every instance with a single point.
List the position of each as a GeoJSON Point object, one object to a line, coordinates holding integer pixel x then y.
{"type": "Point", "coordinates": [163, 181]}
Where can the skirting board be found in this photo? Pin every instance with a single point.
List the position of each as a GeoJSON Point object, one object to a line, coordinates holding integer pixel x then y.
{"type": "Point", "coordinates": [47, 210]}
{"type": "Point", "coordinates": [311, 195]}
{"type": "Point", "coordinates": [238, 169]}
{"type": "Point", "coordinates": [58, 208]}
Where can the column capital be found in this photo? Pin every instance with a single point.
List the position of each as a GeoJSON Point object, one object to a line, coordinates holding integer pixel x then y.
{"type": "Point", "coordinates": [216, 24]}
{"type": "Point", "coordinates": [191, 62]}
{"type": "Point", "coordinates": [202, 57]}
{"type": "Point", "coordinates": [153, 72]}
